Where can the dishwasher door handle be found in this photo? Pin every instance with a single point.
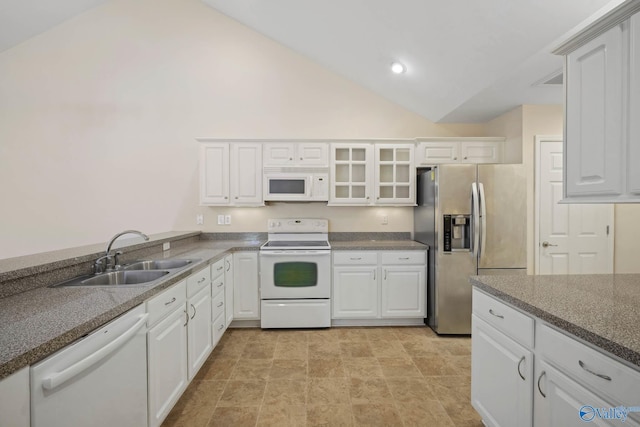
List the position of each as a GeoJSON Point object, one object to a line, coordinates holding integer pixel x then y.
{"type": "Point", "coordinates": [54, 380]}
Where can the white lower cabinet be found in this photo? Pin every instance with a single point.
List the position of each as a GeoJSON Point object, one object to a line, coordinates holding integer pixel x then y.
{"type": "Point", "coordinates": [403, 284]}
{"type": "Point", "coordinates": [228, 290]}
{"type": "Point", "coordinates": [167, 364]}
{"type": "Point", "coordinates": [179, 340]}
{"type": "Point", "coordinates": [14, 399]}
{"type": "Point", "coordinates": [501, 377]}
{"type": "Point", "coordinates": [572, 383]}
{"type": "Point", "coordinates": [355, 292]}
{"type": "Point", "coordinates": [378, 285]}
{"type": "Point", "coordinates": [246, 289]}
{"type": "Point", "coordinates": [199, 334]}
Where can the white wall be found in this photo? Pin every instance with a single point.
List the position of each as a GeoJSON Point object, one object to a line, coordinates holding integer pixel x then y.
{"type": "Point", "coordinates": [98, 120]}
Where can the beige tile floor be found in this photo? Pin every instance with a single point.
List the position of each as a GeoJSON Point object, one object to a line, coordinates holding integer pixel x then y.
{"type": "Point", "coordinates": [394, 376]}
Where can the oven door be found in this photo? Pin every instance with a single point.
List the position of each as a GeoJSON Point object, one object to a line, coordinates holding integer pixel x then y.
{"type": "Point", "coordinates": [295, 274]}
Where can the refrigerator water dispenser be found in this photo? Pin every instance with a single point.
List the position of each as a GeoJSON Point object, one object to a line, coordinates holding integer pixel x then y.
{"type": "Point", "coordinates": [457, 233]}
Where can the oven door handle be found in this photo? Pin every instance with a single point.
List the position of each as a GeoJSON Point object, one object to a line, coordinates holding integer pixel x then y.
{"type": "Point", "coordinates": [295, 253]}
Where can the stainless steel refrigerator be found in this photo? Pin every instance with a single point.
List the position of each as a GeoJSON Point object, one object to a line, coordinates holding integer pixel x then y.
{"type": "Point", "coordinates": [473, 217]}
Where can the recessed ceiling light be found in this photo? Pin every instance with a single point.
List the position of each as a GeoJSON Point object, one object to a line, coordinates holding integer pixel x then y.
{"type": "Point", "coordinates": [398, 68]}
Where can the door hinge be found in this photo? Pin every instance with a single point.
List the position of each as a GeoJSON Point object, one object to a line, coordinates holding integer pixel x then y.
{"type": "Point", "coordinates": [607, 230]}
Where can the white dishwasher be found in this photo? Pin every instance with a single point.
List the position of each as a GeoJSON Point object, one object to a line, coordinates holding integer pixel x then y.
{"type": "Point", "coordinates": [100, 380]}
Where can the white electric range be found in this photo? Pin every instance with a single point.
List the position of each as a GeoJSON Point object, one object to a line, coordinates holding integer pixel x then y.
{"type": "Point", "coordinates": [295, 274]}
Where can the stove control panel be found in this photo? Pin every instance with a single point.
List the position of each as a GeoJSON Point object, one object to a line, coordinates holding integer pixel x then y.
{"type": "Point", "coordinates": [298, 225]}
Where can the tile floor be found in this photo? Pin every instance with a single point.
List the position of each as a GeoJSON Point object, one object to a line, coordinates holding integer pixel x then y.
{"type": "Point", "coordinates": [394, 376]}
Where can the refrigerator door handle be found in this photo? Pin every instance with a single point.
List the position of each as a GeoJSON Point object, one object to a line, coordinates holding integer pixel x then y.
{"type": "Point", "coordinates": [475, 212]}
{"type": "Point", "coordinates": [483, 221]}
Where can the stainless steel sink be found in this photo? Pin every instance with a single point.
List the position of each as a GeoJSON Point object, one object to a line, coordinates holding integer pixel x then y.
{"type": "Point", "coordinates": [146, 272]}
{"type": "Point", "coordinates": [123, 278]}
{"type": "Point", "coordinates": [163, 264]}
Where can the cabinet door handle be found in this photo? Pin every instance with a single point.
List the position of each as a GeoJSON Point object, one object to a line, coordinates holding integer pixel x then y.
{"type": "Point", "coordinates": [374, 275]}
{"type": "Point", "coordinates": [385, 274]}
{"type": "Point", "coordinates": [583, 366]}
{"type": "Point", "coordinates": [539, 389]}
{"type": "Point", "coordinates": [497, 315]}
{"type": "Point", "coordinates": [355, 259]}
{"type": "Point", "coordinates": [403, 257]}
{"type": "Point", "coordinates": [186, 314]}
{"type": "Point", "coordinates": [219, 268]}
{"type": "Point", "coordinates": [202, 280]}
{"type": "Point", "coordinates": [194, 311]}
{"type": "Point", "coordinates": [520, 373]}
{"type": "Point", "coordinates": [221, 284]}
{"type": "Point", "coordinates": [228, 265]}
{"type": "Point", "coordinates": [221, 326]}
{"type": "Point", "coordinates": [220, 305]}
{"type": "Point", "coordinates": [170, 302]}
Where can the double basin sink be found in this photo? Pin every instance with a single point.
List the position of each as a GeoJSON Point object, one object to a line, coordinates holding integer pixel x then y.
{"type": "Point", "coordinates": [146, 272]}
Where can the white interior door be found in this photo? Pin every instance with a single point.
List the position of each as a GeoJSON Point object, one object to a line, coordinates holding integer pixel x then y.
{"type": "Point", "coordinates": [571, 238]}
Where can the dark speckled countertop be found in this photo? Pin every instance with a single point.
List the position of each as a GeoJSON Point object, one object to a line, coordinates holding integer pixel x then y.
{"type": "Point", "coordinates": [37, 322]}
{"type": "Point", "coordinates": [603, 310]}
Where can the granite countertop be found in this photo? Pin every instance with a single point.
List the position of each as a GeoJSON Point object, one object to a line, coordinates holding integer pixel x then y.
{"type": "Point", "coordinates": [36, 323]}
{"type": "Point", "coordinates": [603, 310]}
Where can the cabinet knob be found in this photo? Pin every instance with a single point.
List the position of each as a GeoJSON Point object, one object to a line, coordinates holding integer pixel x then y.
{"type": "Point", "coordinates": [290, 158]}
{"type": "Point", "coordinates": [236, 197]}
{"type": "Point", "coordinates": [455, 158]}
{"type": "Point", "coordinates": [301, 158]}
{"type": "Point", "coordinates": [465, 158]}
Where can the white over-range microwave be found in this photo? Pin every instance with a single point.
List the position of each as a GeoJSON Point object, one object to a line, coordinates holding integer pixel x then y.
{"type": "Point", "coordinates": [299, 185]}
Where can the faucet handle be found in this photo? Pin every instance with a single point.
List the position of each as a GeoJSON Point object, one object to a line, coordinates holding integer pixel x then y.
{"type": "Point", "coordinates": [99, 265]}
{"type": "Point", "coordinates": [116, 264]}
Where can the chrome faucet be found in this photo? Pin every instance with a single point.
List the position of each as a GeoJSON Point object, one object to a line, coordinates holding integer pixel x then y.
{"type": "Point", "coordinates": [110, 262]}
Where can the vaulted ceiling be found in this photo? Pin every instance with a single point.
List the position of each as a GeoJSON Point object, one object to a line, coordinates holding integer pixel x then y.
{"type": "Point", "coordinates": [467, 61]}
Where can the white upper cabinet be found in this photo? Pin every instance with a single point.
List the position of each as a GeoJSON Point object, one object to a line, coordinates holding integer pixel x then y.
{"type": "Point", "coordinates": [395, 175]}
{"type": "Point", "coordinates": [601, 144]}
{"type": "Point", "coordinates": [351, 174]}
{"type": "Point", "coordinates": [433, 151]}
{"type": "Point", "coordinates": [231, 174]}
{"type": "Point", "coordinates": [313, 154]}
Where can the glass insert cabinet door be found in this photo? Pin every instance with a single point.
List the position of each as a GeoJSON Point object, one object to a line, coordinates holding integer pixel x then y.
{"type": "Point", "coordinates": [394, 178]}
{"type": "Point", "coordinates": [295, 274]}
{"type": "Point", "coordinates": [351, 174]}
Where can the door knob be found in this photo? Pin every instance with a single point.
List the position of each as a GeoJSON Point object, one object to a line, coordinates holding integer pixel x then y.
{"type": "Point", "coordinates": [547, 244]}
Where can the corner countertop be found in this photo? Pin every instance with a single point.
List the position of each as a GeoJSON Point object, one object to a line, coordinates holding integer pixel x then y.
{"type": "Point", "coordinates": [36, 323]}
{"type": "Point", "coordinates": [603, 310]}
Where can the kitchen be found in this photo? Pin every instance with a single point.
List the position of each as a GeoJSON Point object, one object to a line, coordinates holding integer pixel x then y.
{"type": "Point", "coordinates": [133, 128]}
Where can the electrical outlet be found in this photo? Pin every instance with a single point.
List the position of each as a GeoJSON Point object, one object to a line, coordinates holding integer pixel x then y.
{"type": "Point", "coordinates": [166, 246]}
{"type": "Point", "coordinates": [227, 219]}
{"type": "Point", "coordinates": [385, 220]}
{"type": "Point", "coordinates": [199, 219]}
{"type": "Point", "coordinates": [220, 219]}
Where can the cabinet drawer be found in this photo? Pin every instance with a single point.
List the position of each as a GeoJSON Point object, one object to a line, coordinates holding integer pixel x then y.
{"type": "Point", "coordinates": [217, 286]}
{"type": "Point", "coordinates": [198, 281]}
{"type": "Point", "coordinates": [217, 305]}
{"type": "Point", "coordinates": [513, 323]}
{"type": "Point", "coordinates": [355, 257]}
{"type": "Point", "coordinates": [218, 329]}
{"type": "Point", "coordinates": [167, 301]}
{"type": "Point", "coordinates": [403, 257]}
{"type": "Point", "coordinates": [217, 268]}
{"type": "Point", "coordinates": [589, 366]}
